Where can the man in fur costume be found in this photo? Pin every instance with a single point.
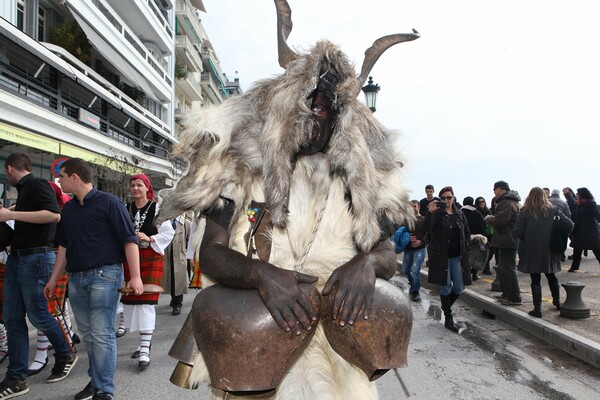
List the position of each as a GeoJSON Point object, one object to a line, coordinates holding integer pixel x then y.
{"type": "Point", "coordinates": [299, 184]}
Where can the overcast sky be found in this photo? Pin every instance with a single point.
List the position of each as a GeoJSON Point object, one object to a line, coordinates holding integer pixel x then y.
{"type": "Point", "coordinates": [492, 90]}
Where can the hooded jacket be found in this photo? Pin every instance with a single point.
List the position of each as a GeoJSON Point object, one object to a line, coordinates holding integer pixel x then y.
{"type": "Point", "coordinates": [505, 219]}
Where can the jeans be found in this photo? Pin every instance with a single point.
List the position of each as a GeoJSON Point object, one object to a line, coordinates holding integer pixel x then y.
{"type": "Point", "coordinates": [411, 267]}
{"type": "Point", "coordinates": [24, 282]}
{"type": "Point", "coordinates": [455, 280]}
{"type": "Point", "coordinates": [507, 269]}
{"type": "Point", "coordinates": [94, 298]}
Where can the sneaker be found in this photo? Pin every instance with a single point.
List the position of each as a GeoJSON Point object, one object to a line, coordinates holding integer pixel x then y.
{"type": "Point", "coordinates": [12, 387]}
{"type": "Point", "coordinates": [86, 394]}
{"type": "Point", "coordinates": [506, 302]}
{"type": "Point", "coordinates": [62, 367]}
{"type": "Point", "coordinates": [415, 297]}
{"type": "Point", "coordinates": [121, 331]}
{"type": "Point", "coordinates": [100, 395]}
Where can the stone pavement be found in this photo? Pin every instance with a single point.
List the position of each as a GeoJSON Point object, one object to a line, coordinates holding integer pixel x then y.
{"type": "Point", "coordinates": [579, 337]}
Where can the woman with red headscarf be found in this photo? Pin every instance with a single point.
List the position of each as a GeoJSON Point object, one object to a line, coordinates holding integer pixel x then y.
{"type": "Point", "coordinates": [139, 311]}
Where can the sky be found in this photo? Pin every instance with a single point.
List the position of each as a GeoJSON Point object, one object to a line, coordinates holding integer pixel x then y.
{"type": "Point", "coordinates": [491, 91]}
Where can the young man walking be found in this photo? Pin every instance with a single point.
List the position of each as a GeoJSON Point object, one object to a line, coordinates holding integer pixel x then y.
{"type": "Point", "coordinates": [28, 268]}
{"type": "Point", "coordinates": [94, 237]}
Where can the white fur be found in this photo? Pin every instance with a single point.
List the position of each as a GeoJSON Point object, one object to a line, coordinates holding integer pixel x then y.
{"type": "Point", "coordinates": [320, 373]}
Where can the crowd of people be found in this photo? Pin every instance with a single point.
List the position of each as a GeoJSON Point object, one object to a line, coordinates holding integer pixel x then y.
{"type": "Point", "coordinates": [49, 237]}
{"type": "Point", "coordinates": [461, 240]}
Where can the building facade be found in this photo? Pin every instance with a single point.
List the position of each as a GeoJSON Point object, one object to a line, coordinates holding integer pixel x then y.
{"type": "Point", "coordinates": [103, 80]}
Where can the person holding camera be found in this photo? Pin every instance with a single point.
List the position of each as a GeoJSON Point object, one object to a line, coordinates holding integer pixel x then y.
{"type": "Point", "coordinates": [448, 251]}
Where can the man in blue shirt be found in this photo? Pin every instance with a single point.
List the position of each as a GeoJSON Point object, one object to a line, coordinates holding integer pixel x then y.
{"type": "Point", "coordinates": [28, 268]}
{"type": "Point", "coordinates": [94, 238]}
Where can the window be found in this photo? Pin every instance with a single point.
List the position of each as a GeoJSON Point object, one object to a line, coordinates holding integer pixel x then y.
{"type": "Point", "coordinates": [41, 24]}
{"type": "Point", "coordinates": [21, 15]}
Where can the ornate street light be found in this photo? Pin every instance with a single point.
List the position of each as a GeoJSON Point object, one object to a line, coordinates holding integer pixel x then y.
{"type": "Point", "coordinates": [370, 91]}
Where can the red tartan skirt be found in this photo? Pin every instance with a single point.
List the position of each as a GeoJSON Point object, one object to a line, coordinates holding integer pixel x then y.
{"type": "Point", "coordinates": [60, 292]}
{"type": "Point", "coordinates": [152, 266]}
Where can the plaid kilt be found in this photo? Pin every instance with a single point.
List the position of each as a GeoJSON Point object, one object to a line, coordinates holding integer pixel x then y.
{"type": "Point", "coordinates": [196, 281]}
{"type": "Point", "coordinates": [152, 266]}
{"type": "Point", "coordinates": [60, 292]}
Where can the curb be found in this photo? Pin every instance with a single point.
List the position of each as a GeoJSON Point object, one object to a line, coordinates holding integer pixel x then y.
{"type": "Point", "coordinates": [576, 345]}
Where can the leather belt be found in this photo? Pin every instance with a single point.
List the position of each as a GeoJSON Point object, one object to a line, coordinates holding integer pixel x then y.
{"type": "Point", "coordinates": [32, 250]}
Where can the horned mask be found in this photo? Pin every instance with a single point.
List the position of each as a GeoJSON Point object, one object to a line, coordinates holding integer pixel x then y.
{"type": "Point", "coordinates": [256, 137]}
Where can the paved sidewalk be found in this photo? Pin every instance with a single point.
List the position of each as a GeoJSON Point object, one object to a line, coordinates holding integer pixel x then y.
{"type": "Point", "coordinates": [579, 337]}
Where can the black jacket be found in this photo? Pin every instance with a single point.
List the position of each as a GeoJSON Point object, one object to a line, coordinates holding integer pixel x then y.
{"type": "Point", "coordinates": [437, 248]}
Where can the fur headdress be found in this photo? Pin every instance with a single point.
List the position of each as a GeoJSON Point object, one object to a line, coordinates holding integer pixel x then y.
{"type": "Point", "coordinates": [254, 139]}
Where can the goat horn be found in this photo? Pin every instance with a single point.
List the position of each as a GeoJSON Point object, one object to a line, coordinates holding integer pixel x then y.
{"type": "Point", "coordinates": [284, 27]}
{"type": "Point", "coordinates": [376, 50]}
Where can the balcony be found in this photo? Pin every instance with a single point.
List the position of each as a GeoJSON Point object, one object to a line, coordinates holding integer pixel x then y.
{"type": "Point", "coordinates": [145, 19]}
{"type": "Point", "coordinates": [190, 87]}
{"type": "Point", "coordinates": [189, 22]}
{"type": "Point", "coordinates": [120, 46]}
{"type": "Point", "coordinates": [212, 87]}
{"type": "Point", "coordinates": [187, 53]}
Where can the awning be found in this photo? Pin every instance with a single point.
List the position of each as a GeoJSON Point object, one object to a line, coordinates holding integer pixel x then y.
{"type": "Point", "coordinates": [114, 57]}
{"type": "Point", "coordinates": [14, 34]}
{"type": "Point", "coordinates": [83, 78]}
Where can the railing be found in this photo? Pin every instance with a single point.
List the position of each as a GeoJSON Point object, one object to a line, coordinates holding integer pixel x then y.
{"type": "Point", "coordinates": [184, 41]}
{"type": "Point", "coordinates": [20, 84]}
{"type": "Point", "coordinates": [133, 41]}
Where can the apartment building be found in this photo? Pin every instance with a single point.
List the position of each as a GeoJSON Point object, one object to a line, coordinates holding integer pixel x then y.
{"type": "Point", "coordinates": [103, 80]}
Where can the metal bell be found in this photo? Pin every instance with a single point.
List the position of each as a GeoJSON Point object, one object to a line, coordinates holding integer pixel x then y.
{"type": "Point", "coordinates": [184, 350]}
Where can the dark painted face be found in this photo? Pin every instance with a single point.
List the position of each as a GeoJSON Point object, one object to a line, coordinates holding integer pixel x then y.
{"type": "Point", "coordinates": [322, 127]}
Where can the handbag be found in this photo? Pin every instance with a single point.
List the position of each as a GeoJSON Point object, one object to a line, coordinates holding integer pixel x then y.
{"type": "Point", "coordinates": [558, 239]}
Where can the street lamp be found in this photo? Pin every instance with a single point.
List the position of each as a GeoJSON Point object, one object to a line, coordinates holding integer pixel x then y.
{"type": "Point", "coordinates": [370, 91]}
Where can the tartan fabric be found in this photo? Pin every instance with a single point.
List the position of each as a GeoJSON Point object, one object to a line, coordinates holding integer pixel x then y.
{"type": "Point", "coordinates": [196, 281]}
{"type": "Point", "coordinates": [60, 292]}
{"type": "Point", "coordinates": [152, 265]}
{"type": "Point", "coordinates": [2, 270]}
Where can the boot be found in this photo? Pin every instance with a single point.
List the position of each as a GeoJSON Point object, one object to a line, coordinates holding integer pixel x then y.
{"type": "Point", "coordinates": [486, 269]}
{"type": "Point", "coordinates": [474, 276]}
{"type": "Point", "coordinates": [574, 266]}
{"type": "Point", "coordinates": [446, 308]}
{"type": "Point", "coordinates": [536, 292]}
{"type": "Point", "coordinates": [453, 297]}
{"type": "Point", "coordinates": [555, 290]}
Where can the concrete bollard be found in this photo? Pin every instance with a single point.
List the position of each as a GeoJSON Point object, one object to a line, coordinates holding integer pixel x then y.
{"type": "Point", "coordinates": [496, 287]}
{"type": "Point", "coordinates": [574, 307]}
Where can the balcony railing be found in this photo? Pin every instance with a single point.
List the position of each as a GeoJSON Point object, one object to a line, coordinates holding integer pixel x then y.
{"type": "Point", "coordinates": [15, 82]}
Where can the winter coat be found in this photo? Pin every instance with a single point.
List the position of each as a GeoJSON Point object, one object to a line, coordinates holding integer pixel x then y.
{"type": "Point", "coordinates": [175, 258]}
{"type": "Point", "coordinates": [419, 232]}
{"type": "Point", "coordinates": [504, 220]}
{"type": "Point", "coordinates": [560, 204]}
{"type": "Point", "coordinates": [437, 248]}
{"type": "Point", "coordinates": [475, 220]}
{"type": "Point", "coordinates": [586, 233]}
{"type": "Point", "coordinates": [534, 241]}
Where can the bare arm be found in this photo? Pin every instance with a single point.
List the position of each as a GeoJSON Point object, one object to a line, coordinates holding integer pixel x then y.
{"type": "Point", "coordinates": [352, 285]}
{"type": "Point", "coordinates": [132, 254]}
{"type": "Point", "coordinates": [277, 287]}
{"type": "Point", "coordinates": [33, 217]}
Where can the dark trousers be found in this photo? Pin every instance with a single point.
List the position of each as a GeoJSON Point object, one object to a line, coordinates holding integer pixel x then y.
{"type": "Point", "coordinates": [507, 269]}
{"type": "Point", "coordinates": [577, 257]}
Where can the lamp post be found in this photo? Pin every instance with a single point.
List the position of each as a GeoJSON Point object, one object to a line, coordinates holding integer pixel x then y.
{"type": "Point", "coordinates": [370, 91]}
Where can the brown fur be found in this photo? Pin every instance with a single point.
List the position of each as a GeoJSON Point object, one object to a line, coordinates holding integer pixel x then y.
{"type": "Point", "coordinates": [254, 137]}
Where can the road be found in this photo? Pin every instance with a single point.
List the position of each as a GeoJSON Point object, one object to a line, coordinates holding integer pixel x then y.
{"type": "Point", "coordinates": [487, 360]}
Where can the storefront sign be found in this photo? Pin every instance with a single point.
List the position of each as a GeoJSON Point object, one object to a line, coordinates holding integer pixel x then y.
{"type": "Point", "coordinates": [17, 135]}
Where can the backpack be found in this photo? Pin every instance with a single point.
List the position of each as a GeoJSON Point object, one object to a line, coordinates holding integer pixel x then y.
{"type": "Point", "coordinates": [401, 239]}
